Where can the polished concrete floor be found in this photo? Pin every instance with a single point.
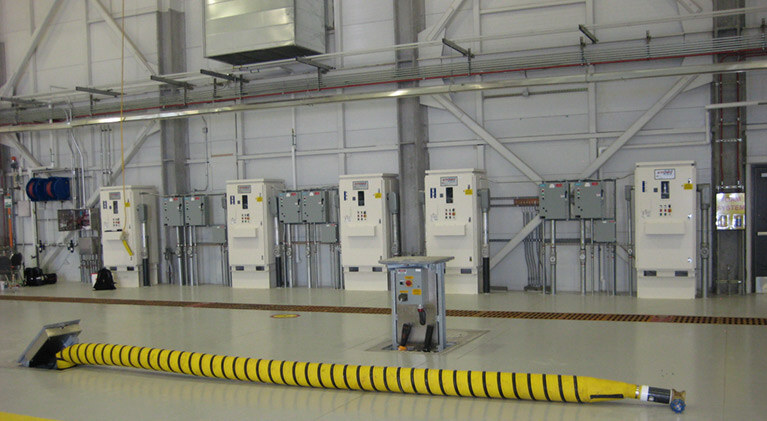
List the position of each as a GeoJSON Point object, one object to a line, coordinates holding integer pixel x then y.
{"type": "Point", "coordinates": [723, 368]}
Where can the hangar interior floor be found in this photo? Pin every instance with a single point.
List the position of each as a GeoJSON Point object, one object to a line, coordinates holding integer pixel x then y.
{"type": "Point", "coordinates": [721, 366]}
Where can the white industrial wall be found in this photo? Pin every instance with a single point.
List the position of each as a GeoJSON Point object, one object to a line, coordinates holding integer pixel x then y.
{"type": "Point", "coordinates": [329, 138]}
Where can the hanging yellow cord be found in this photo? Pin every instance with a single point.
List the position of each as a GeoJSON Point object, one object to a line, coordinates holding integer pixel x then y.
{"type": "Point", "coordinates": [122, 105]}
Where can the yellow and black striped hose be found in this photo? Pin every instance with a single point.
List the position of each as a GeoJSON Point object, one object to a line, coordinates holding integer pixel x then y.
{"type": "Point", "coordinates": [422, 381]}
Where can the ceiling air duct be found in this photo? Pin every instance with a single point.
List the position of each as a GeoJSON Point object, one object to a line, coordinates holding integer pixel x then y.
{"type": "Point", "coordinates": [250, 31]}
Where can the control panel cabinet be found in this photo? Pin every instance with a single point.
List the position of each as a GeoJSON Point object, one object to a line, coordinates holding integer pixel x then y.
{"type": "Point", "coordinates": [289, 207]}
{"type": "Point", "coordinates": [454, 225]}
{"type": "Point", "coordinates": [251, 232]}
{"type": "Point", "coordinates": [554, 200]}
{"type": "Point", "coordinates": [196, 210]}
{"type": "Point", "coordinates": [172, 211]}
{"type": "Point", "coordinates": [123, 209]}
{"type": "Point", "coordinates": [588, 200]}
{"type": "Point", "coordinates": [315, 206]}
{"type": "Point", "coordinates": [665, 230]}
{"type": "Point", "coordinates": [366, 229]}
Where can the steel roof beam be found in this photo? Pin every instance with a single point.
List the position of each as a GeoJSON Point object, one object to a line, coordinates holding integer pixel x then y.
{"type": "Point", "coordinates": [110, 21]}
{"type": "Point", "coordinates": [635, 127]}
{"type": "Point", "coordinates": [37, 37]}
{"type": "Point", "coordinates": [491, 140]}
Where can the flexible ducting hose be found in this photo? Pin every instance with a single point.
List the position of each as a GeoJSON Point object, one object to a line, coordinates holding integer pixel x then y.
{"type": "Point", "coordinates": [422, 381]}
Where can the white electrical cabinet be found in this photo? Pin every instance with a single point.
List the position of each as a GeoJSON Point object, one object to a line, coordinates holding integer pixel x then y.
{"type": "Point", "coordinates": [665, 229]}
{"type": "Point", "coordinates": [454, 225]}
{"type": "Point", "coordinates": [251, 232]}
{"type": "Point", "coordinates": [366, 229]}
{"type": "Point", "coordinates": [126, 245]}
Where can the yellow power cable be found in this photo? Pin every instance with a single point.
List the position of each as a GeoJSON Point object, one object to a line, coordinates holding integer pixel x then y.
{"type": "Point", "coordinates": [421, 381]}
{"type": "Point", "coordinates": [122, 109]}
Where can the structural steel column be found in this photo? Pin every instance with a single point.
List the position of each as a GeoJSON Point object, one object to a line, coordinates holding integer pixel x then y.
{"type": "Point", "coordinates": [412, 120]}
{"type": "Point", "coordinates": [174, 133]}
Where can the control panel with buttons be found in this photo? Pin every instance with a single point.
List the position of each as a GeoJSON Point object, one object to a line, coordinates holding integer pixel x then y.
{"type": "Point", "coordinates": [128, 213]}
{"type": "Point", "coordinates": [250, 231]}
{"type": "Point", "coordinates": [665, 197]}
{"type": "Point", "coordinates": [366, 225]}
{"type": "Point", "coordinates": [454, 225]}
{"type": "Point", "coordinates": [410, 285]}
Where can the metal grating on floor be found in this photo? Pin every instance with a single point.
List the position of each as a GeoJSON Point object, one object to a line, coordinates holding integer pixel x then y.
{"type": "Point", "coordinates": [527, 315]}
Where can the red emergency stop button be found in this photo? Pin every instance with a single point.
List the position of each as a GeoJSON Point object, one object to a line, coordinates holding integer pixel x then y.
{"type": "Point", "coordinates": [409, 283]}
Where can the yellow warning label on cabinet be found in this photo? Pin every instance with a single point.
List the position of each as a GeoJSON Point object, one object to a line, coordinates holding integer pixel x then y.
{"type": "Point", "coordinates": [416, 292]}
{"type": "Point", "coordinates": [377, 195]}
{"type": "Point", "coordinates": [259, 199]}
{"type": "Point", "coordinates": [409, 278]}
{"type": "Point", "coordinates": [688, 186]}
{"type": "Point", "coordinates": [468, 192]}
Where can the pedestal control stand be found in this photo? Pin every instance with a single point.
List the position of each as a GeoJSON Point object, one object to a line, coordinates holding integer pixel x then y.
{"type": "Point", "coordinates": [417, 285]}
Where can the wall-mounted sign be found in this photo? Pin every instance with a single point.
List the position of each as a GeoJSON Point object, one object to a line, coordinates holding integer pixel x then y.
{"type": "Point", "coordinates": [730, 211]}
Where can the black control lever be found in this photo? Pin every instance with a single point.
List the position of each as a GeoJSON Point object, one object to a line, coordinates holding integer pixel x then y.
{"type": "Point", "coordinates": [421, 315]}
{"type": "Point", "coordinates": [427, 338]}
{"type": "Point", "coordinates": [406, 328]}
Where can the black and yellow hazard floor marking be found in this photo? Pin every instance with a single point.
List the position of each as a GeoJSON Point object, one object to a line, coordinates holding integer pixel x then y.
{"type": "Point", "coordinates": [6, 416]}
{"type": "Point", "coordinates": [420, 381]}
{"type": "Point", "coordinates": [493, 314]}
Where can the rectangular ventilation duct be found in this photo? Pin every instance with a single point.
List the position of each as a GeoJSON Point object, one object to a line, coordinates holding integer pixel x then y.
{"type": "Point", "coordinates": [250, 31]}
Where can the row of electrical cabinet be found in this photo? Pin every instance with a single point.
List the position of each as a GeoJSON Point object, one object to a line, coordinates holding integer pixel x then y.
{"type": "Point", "coordinates": [306, 206]}
{"type": "Point", "coordinates": [563, 200]}
{"type": "Point", "coordinates": [361, 215]}
{"type": "Point", "coordinates": [179, 211]}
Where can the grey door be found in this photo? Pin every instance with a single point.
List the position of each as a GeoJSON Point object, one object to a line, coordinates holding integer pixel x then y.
{"type": "Point", "coordinates": [759, 226]}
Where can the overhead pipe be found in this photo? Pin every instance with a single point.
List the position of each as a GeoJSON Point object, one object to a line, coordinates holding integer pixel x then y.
{"type": "Point", "coordinates": [398, 93]}
{"type": "Point", "coordinates": [420, 381]}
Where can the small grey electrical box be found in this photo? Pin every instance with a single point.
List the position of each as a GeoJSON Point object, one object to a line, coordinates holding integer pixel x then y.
{"type": "Point", "coordinates": [604, 231]}
{"type": "Point", "coordinates": [314, 206]}
{"type": "Point", "coordinates": [172, 211]}
{"type": "Point", "coordinates": [328, 233]}
{"type": "Point", "coordinates": [554, 202]}
{"type": "Point", "coordinates": [196, 210]}
{"type": "Point", "coordinates": [588, 200]}
{"type": "Point", "coordinates": [412, 287]}
{"type": "Point", "coordinates": [88, 245]}
{"type": "Point", "coordinates": [289, 207]}
{"type": "Point", "coordinates": [218, 234]}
